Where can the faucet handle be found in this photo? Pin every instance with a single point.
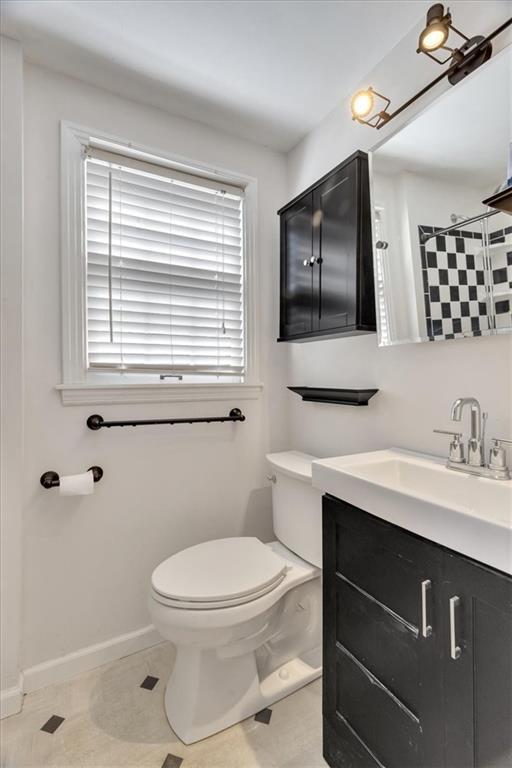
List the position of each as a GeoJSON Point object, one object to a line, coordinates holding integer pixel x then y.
{"type": "Point", "coordinates": [447, 432]}
{"type": "Point", "coordinates": [498, 455]}
{"type": "Point", "coordinates": [455, 435]}
{"type": "Point", "coordinates": [456, 447]}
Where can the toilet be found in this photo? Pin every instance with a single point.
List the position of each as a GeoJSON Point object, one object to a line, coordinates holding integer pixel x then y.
{"type": "Point", "coordinates": [245, 616]}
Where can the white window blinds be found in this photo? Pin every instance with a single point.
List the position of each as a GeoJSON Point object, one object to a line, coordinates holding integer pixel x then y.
{"type": "Point", "coordinates": [164, 270]}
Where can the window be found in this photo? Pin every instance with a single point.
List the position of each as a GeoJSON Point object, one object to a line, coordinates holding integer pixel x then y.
{"type": "Point", "coordinates": [164, 270]}
{"type": "Point", "coordinates": [159, 276]}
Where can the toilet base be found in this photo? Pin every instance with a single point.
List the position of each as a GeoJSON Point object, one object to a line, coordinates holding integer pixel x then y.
{"type": "Point", "coordinates": [207, 693]}
{"type": "Point", "coordinates": [233, 662]}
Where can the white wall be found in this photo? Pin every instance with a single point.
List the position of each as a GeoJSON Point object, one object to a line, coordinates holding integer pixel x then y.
{"type": "Point", "coordinates": [88, 560]}
{"type": "Point", "coordinates": [11, 371]}
{"type": "Point", "coordinates": [417, 382]}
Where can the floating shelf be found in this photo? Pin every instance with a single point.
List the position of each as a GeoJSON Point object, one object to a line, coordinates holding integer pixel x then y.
{"type": "Point", "coordinates": [336, 396]}
{"type": "Point", "coordinates": [501, 201]}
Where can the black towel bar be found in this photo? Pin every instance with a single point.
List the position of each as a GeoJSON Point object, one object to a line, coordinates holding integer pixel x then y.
{"type": "Point", "coordinates": [97, 422]}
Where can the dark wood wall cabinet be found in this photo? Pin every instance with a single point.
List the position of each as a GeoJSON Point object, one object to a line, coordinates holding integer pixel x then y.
{"type": "Point", "coordinates": [417, 650]}
{"type": "Point", "coordinates": [327, 286]}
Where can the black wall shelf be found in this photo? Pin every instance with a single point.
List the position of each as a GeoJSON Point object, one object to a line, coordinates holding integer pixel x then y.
{"type": "Point", "coordinates": [501, 201]}
{"type": "Point", "coordinates": [336, 396]}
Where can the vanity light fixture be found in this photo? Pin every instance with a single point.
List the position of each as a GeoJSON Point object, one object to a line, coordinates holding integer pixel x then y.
{"type": "Point", "coordinates": [474, 52]}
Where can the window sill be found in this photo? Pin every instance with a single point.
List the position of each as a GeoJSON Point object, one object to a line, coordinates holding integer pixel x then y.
{"type": "Point", "coordinates": [104, 394]}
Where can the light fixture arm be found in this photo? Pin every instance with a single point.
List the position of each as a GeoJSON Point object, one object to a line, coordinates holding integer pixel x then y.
{"type": "Point", "coordinates": [444, 48]}
{"type": "Point", "coordinates": [461, 34]}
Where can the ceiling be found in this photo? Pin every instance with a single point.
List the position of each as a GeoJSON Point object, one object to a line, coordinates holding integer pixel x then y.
{"type": "Point", "coordinates": [464, 136]}
{"type": "Point", "coordinates": [266, 70]}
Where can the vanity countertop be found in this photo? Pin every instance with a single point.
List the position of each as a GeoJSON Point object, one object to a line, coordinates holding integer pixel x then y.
{"type": "Point", "coordinates": [471, 515]}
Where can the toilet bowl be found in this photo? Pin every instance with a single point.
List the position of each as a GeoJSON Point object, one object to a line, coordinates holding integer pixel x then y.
{"type": "Point", "coordinates": [245, 617]}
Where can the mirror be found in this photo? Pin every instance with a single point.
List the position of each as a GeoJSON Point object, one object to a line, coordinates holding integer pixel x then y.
{"type": "Point", "coordinates": [431, 175]}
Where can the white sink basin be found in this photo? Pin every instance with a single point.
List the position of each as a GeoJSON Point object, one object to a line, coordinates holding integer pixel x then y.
{"type": "Point", "coordinates": [468, 514]}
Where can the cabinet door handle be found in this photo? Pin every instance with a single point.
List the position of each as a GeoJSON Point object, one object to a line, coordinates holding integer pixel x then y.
{"type": "Point", "coordinates": [426, 628]}
{"type": "Point", "coordinates": [455, 650]}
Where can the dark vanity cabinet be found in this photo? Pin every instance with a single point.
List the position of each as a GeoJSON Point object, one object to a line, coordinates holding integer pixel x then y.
{"type": "Point", "coordinates": [327, 286]}
{"type": "Point", "coordinates": [417, 650]}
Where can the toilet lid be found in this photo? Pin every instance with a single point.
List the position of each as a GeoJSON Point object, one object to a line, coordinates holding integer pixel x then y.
{"type": "Point", "coordinates": [224, 569]}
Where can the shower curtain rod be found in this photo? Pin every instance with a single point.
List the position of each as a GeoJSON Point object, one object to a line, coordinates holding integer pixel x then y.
{"type": "Point", "coordinates": [425, 237]}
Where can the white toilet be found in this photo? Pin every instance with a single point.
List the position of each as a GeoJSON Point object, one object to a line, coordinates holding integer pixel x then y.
{"type": "Point", "coordinates": [245, 617]}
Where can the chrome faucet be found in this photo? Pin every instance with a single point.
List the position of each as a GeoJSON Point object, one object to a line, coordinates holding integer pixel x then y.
{"type": "Point", "coordinates": [476, 442]}
{"type": "Point", "coordinates": [475, 464]}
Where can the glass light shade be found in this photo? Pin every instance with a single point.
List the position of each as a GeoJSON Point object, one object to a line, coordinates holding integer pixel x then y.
{"type": "Point", "coordinates": [434, 36]}
{"type": "Point", "coordinates": [362, 103]}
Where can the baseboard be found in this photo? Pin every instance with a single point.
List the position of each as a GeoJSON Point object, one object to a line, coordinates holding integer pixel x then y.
{"type": "Point", "coordinates": [11, 701]}
{"type": "Point", "coordinates": [85, 659]}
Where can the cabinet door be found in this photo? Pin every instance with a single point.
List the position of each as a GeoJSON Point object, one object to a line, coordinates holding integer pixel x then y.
{"type": "Point", "coordinates": [335, 244]}
{"type": "Point", "coordinates": [296, 276]}
{"type": "Point", "coordinates": [477, 603]}
{"type": "Point", "coordinates": [382, 643]}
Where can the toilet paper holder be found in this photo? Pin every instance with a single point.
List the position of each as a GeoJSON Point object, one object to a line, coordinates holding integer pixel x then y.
{"type": "Point", "coordinates": [51, 479]}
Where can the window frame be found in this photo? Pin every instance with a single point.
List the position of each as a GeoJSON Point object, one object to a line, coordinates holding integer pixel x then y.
{"type": "Point", "coordinates": [80, 385]}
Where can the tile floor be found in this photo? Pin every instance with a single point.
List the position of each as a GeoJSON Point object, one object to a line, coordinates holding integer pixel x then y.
{"type": "Point", "coordinates": [113, 717]}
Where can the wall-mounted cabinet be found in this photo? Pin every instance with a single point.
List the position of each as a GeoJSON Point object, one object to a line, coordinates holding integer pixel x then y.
{"type": "Point", "coordinates": [327, 286]}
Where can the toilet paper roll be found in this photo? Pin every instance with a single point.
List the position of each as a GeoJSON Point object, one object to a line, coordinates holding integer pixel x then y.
{"type": "Point", "coordinates": [77, 485]}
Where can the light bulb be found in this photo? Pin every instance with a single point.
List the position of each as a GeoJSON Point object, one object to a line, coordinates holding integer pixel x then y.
{"type": "Point", "coordinates": [433, 37]}
{"type": "Point", "coordinates": [362, 103]}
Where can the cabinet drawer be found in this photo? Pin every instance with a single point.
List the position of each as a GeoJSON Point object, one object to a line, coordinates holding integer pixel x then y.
{"type": "Point", "coordinates": [390, 731]}
{"type": "Point", "coordinates": [343, 748]}
{"type": "Point", "coordinates": [378, 639]}
{"type": "Point", "coordinates": [384, 561]}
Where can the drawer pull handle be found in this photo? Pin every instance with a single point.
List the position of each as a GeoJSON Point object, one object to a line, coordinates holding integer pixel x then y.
{"type": "Point", "coordinates": [426, 628]}
{"type": "Point", "coordinates": [455, 650]}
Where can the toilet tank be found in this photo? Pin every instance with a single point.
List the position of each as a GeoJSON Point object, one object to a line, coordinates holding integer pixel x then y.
{"type": "Point", "coordinates": [296, 505]}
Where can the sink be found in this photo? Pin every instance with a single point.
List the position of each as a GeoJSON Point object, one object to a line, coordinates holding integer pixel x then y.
{"type": "Point", "coordinates": [471, 515]}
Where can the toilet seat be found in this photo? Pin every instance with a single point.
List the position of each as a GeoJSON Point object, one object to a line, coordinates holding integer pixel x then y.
{"type": "Point", "coordinates": [218, 574]}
